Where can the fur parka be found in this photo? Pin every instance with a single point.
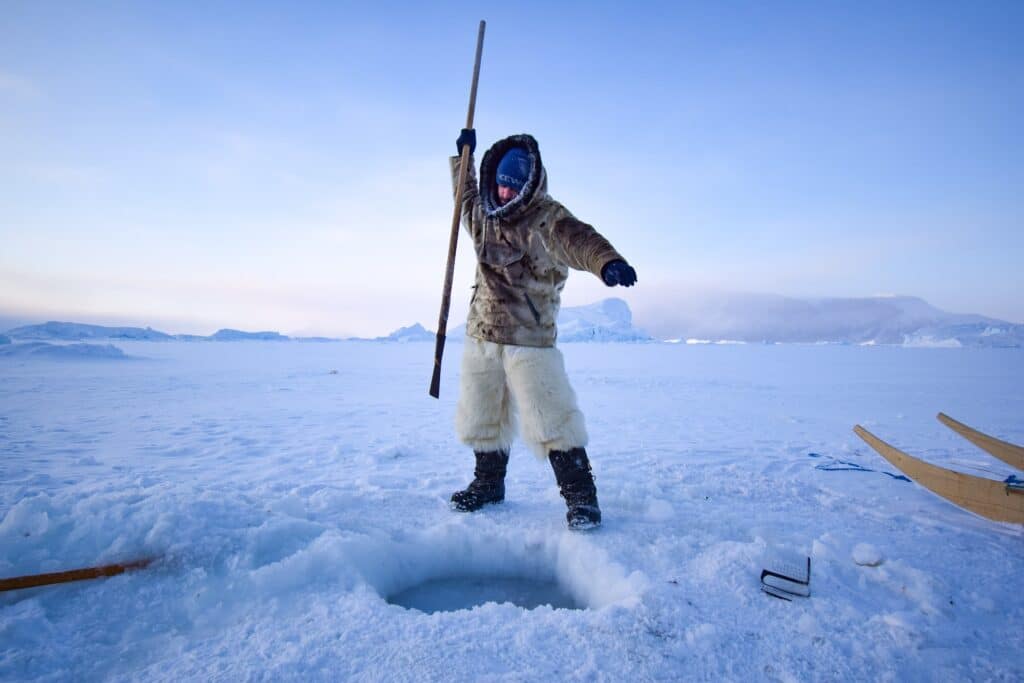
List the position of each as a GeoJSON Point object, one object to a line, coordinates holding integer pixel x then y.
{"type": "Point", "coordinates": [524, 251]}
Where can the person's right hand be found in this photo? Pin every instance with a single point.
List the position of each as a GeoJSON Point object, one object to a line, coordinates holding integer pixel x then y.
{"type": "Point", "coordinates": [618, 273]}
{"type": "Point", "coordinates": [466, 137]}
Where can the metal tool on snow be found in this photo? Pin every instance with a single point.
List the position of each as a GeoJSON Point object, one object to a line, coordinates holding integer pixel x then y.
{"type": "Point", "coordinates": [786, 579]}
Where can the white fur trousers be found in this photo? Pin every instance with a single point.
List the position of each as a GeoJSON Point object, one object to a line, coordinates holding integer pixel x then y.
{"type": "Point", "coordinates": [497, 380]}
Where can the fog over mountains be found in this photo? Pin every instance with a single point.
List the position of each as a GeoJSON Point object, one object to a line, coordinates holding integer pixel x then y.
{"type": "Point", "coordinates": [752, 318]}
{"type": "Point", "coordinates": [869, 320]}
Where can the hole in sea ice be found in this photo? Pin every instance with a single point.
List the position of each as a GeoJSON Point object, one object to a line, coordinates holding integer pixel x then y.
{"type": "Point", "coordinates": [455, 593]}
{"type": "Point", "coordinates": [456, 567]}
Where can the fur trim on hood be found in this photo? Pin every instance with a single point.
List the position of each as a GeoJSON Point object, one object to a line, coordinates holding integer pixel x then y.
{"type": "Point", "coordinates": [535, 189]}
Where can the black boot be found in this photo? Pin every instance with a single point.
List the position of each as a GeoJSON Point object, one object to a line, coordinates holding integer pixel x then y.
{"type": "Point", "coordinates": [576, 483]}
{"type": "Point", "coordinates": [488, 485]}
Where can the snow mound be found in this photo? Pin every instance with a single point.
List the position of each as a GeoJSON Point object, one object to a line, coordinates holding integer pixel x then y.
{"type": "Point", "coordinates": [62, 351]}
{"type": "Point", "coordinates": [866, 555]}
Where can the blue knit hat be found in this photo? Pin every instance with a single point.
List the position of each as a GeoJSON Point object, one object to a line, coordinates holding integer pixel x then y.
{"type": "Point", "coordinates": [514, 168]}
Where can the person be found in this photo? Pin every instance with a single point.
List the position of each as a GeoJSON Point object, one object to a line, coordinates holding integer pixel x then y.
{"type": "Point", "coordinates": [525, 243]}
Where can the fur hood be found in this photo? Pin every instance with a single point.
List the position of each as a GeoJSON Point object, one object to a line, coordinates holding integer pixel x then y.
{"type": "Point", "coordinates": [533, 192]}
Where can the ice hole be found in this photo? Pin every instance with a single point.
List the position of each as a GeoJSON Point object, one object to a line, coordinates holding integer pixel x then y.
{"type": "Point", "coordinates": [458, 566]}
{"type": "Point", "coordinates": [451, 594]}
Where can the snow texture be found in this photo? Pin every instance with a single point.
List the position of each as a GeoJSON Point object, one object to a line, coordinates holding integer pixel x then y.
{"type": "Point", "coordinates": [288, 490]}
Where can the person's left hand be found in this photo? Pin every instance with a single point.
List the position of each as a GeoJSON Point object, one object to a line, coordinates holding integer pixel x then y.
{"type": "Point", "coordinates": [618, 273]}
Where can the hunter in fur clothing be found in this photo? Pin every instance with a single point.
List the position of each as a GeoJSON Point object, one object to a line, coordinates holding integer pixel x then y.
{"type": "Point", "coordinates": [525, 243]}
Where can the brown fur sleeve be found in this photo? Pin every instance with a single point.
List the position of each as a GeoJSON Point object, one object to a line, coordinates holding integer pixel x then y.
{"type": "Point", "coordinates": [581, 246]}
{"type": "Point", "coordinates": [470, 194]}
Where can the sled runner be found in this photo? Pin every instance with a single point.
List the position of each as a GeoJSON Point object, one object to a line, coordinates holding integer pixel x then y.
{"type": "Point", "coordinates": [1007, 452]}
{"type": "Point", "coordinates": [1001, 501]}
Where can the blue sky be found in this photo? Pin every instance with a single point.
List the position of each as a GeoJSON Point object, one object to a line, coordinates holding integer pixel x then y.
{"type": "Point", "coordinates": [283, 166]}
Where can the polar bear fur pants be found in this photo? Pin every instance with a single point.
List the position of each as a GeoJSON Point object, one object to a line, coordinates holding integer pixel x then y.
{"type": "Point", "coordinates": [500, 380]}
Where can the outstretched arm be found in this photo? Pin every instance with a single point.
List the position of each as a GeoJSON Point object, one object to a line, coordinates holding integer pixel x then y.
{"type": "Point", "coordinates": [582, 247]}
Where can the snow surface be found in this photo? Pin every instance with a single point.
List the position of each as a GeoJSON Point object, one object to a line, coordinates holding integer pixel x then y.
{"type": "Point", "coordinates": [289, 490]}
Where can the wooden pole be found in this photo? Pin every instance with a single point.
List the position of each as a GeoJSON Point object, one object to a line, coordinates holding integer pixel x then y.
{"type": "Point", "coordinates": [36, 580]}
{"type": "Point", "coordinates": [453, 241]}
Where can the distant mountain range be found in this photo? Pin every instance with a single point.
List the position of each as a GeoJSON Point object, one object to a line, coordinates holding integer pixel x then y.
{"type": "Point", "coordinates": [412, 333]}
{"type": "Point", "coordinates": [61, 331]}
{"type": "Point", "coordinates": [907, 321]}
{"type": "Point", "coordinates": [73, 351]}
{"type": "Point", "coordinates": [902, 320]}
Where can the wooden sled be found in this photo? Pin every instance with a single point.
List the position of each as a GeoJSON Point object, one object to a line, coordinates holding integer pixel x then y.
{"type": "Point", "coordinates": [1007, 452]}
{"type": "Point", "coordinates": [996, 500]}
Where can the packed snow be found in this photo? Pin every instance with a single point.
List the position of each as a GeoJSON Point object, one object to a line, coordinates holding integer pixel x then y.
{"type": "Point", "coordinates": [292, 492]}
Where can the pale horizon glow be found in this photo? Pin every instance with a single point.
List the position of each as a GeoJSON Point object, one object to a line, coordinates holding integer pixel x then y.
{"type": "Point", "coordinates": [284, 168]}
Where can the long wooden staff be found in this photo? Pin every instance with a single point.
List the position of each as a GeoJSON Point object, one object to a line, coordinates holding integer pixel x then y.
{"type": "Point", "coordinates": [453, 242]}
{"type": "Point", "coordinates": [35, 580]}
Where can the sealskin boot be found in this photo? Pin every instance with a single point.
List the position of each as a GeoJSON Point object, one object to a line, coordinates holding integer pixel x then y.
{"type": "Point", "coordinates": [488, 485]}
{"type": "Point", "coordinates": [576, 484]}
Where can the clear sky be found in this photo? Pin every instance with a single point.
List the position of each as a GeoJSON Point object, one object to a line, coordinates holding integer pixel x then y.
{"type": "Point", "coordinates": [283, 165]}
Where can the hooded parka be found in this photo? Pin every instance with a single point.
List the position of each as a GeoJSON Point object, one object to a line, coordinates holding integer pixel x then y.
{"type": "Point", "coordinates": [524, 251]}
